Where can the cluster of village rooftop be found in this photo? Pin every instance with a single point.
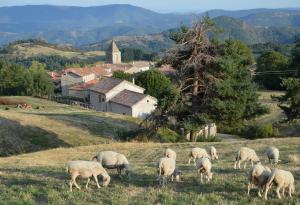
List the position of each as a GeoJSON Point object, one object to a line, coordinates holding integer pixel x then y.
{"type": "Point", "coordinates": [103, 92]}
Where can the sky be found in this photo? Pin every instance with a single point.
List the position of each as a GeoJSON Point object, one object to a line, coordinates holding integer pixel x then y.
{"type": "Point", "coordinates": [168, 5]}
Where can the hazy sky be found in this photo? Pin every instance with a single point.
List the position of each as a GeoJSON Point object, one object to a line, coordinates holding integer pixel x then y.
{"type": "Point", "coordinates": [168, 5]}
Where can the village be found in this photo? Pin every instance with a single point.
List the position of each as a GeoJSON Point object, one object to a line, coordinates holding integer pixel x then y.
{"type": "Point", "coordinates": [153, 103]}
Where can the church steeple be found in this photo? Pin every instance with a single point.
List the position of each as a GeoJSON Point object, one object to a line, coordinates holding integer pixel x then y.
{"type": "Point", "coordinates": [113, 54]}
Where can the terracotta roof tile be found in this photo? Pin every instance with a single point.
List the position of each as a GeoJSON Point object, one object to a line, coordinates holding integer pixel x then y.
{"type": "Point", "coordinates": [98, 71]}
{"type": "Point", "coordinates": [84, 86]}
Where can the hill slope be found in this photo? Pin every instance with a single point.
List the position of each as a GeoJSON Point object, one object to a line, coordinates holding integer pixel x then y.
{"type": "Point", "coordinates": [40, 178]}
{"type": "Point", "coordinates": [32, 48]}
{"type": "Point", "coordinates": [56, 125]}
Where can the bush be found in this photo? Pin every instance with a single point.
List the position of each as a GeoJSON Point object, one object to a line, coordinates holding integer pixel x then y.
{"type": "Point", "coordinates": [167, 135]}
{"type": "Point", "coordinates": [126, 135]}
{"type": "Point", "coordinates": [259, 131]}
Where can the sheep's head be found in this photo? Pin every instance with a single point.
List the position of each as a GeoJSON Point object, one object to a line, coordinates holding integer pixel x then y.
{"type": "Point", "coordinates": [177, 173]}
{"type": "Point", "coordinates": [128, 170]}
{"type": "Point", "coordinates": [106, 180]}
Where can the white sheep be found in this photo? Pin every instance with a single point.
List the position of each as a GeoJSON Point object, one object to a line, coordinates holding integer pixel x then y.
{"type": "Point", "coordinates": [273, 154]}
{"type": "Point", "coordinates": [197, 153]}
{"type": "Point", "coordinates": [282, 179]}
{"type": "Point", "coordinates": [204, 165]}
{"type": "Point", "coordinates": [113, 160]}
{"type": "Point", "coordinates": [245, 154]}
{"type": "Point", "coordinates": [86, 169]}
{"type": "Point", "coordinates": [213, 153]}
{"type": "Point", "coordinates": [170, 153]}
{"type": "Point", "coordinates": [258, 175]}
{"type": "Point", "coordinates": [167, 168]}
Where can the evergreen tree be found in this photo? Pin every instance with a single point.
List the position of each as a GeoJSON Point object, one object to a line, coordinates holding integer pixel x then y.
{"type": "Point", "coordinates": [267, 63]}
{"type": "Point", "coordinates": [290, 102]}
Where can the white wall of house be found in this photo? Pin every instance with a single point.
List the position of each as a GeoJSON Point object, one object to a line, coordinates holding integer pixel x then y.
{"type": "Point", "coordinates": [135, 69]}
{"type": "Point", "coordinates": [144, 107]}
{"type": "Point", "coordinates": [120, 109]}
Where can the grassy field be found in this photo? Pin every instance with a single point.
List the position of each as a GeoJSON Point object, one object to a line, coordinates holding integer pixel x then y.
{"type": "Point", "coordinates": [40, 178]}
{"type": "Point", "coordinates": [52, 134]}
{"type": "Point", "coordinates": [56, 125]}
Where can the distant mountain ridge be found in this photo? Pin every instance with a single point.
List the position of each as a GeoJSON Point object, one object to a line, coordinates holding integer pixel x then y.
{"type": "Point", "coordinates": [87, 25]}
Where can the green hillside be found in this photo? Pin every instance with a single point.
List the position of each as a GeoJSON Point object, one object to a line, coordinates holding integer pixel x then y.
{"type": "Point", "coordinates": [50, 125]}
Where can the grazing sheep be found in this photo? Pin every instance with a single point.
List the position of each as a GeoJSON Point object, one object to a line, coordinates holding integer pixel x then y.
{"type": "Point", "coordinates": [170, 153]}
{"type": "Point", "coordinates": [86, 169]}
{"type": "Point", "coordinates": [113, 160]}
{"type": "Point", "coordinates": [282, 179]}
{"type": "Point", "coordinates": [213, 153]}
{"type": "Point", "coordinates": [273, 155]}
{"type": "Point", "coordinates": [258, 175]}
{"type": "Point", "coordinates": [204, 165]}
{"type": "Point", "coordinates": [197, 153]}
{"type": "Point", "coordinates": [167, 167]}
{"type": "Point", "coordinates": [245, 154]}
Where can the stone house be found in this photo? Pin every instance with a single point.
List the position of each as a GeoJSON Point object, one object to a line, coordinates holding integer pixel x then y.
{"type": "Point", "coordinates": [122, 97]}
{"type": "Point", "coordinates": [82, 90]}
{"type": "Point", "coordinates": [75, 76]}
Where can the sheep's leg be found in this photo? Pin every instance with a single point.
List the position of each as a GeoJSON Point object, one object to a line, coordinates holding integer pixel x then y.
{"type": "Point", "coordinates": [290, 191]}
{"type": "Point", "coordinates": [249, 187]}
{"type": "Point", "coordinates": [71, 185]}
{"type": "Point", "coordinates": [96, 180]}
{"type": "Point", "coordinates": [190, 160]}
{"type": "Point", "coordinates": [251, 163]}
{"type": "Point", "coordinates": [245, 165]}
{"type": "Point", "coordinates": [172, 178]}
{"type": "Point", "coordinates": [87, 183]}
{"type": "Point", "coordinates": [201, 176]}
{"type": "Point", "coordinates": [266, 192]}
{"type": "Point", "coordinates": [239, 164]}
{"type": "Point", "coordinates": [207, 178]}
{"type": "Point", "coordinates": [77, 186]}
{"type": "Point", "coordinates": [259, 193]}
{"type": "Point", "coordinates": [278, 192]}
{"type": "Point", "coordinates": [73, 180]}
{"type": "Point", "coordinates": [283, 192]}
{"type": "Point", "coordinates": [119, 171]}
{"type": "Point", "coordinates": [164, 180]}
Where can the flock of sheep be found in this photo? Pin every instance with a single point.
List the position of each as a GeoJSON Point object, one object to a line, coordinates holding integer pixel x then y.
{"type": "Point", "coordinates": [258, 175]}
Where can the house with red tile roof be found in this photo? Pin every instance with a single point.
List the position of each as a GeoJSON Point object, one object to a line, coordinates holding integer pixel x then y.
{"type": "Point", "coordinates": [122, 97]}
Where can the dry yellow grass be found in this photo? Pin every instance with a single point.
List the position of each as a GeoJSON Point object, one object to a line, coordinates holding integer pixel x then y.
{"type": "Point", "coordinates": [41, 176]}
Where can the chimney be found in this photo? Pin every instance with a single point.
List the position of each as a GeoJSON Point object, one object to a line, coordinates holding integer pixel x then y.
{"type": "Point", "coordinates": [133, 81]}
